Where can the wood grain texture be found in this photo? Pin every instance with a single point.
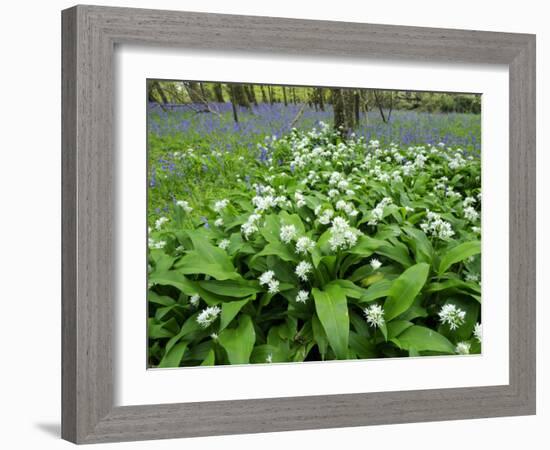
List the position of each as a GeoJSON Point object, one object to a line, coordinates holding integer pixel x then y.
{"type": "Point", "coordinates": [89, 36]}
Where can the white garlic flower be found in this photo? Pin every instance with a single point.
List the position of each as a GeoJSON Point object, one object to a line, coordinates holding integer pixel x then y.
{"type": "Point", "coordinates": [194, 299]}
{"type": "Point", "coordinates": [288, 233]}
{"type": "Point", "coordinates": [462, 348]}
{"type": "Point", "coordinates": [302, 296]}
{"type": "Point", "coordinates": [207, 316]}
{"type": "Point", "coordinates": [375, 264]}
{"type": "Point", "coordinates": [374, 315]}
{"type": "Point", "coordinates": [304, 245]}
{"type": "Point", "coordinates": [220, 205]}
{"type": "Point", "coordinates": [452, 315]}
{"type": "Point", "coordinates": [478, 332]}
{"type": "Point", "coordinates": [302, 269]}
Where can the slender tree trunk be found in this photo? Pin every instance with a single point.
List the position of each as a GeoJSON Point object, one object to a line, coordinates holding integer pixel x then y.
{"type": "Point", "coordinates": [270, 92]}
{"type": "Point", "coordinates": [294, 95]}
{"type": "Point", "coordinates": [343, 107]}
{"type": "Point", "coordinates": [233, 102]}
{"type": "Point", "coordinates": [321, 97]}
{"type": "Point", "coordinates": [264, 96]}
{"type": "Point", "coordinates": [218, 93]}
{"type": "Point", "coordinates": [284, 96]}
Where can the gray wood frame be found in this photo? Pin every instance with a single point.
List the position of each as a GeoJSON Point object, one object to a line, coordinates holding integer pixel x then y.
{"type": "Point", "coordinates": [89, 36]}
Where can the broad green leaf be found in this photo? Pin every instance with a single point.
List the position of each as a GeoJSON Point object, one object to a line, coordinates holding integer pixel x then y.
{"type": "Point", "coordinates": [194, 262]}
{"type": "Point", "coordinates": [398, 253]}
{"type": "Point", "coordinates": [423, 339]}
{"type": "Point", "coordinates": [157, 299]}
{"type": "Point", "coordinates": [239, 342]}
{"type": "Point", "coordinates": [231, 288]}
{"type": "Point", "coordinates": [230, 310]}
{"type": "Point", "coordinates": [362, 346]}
{"type": "Point", "coordinates": [174, 356]}
{"type": "Point", "coordinates": [404, 289]}
{"type": "Point", "coordinates": [396, 327]}
{"type": "Point", "coordinates": [332, 310]}
{"type": "Point", "coordinates": [421, 245]}
{"type": "Point", "coordinates": [175, 279]}
{"type": "Point", "coordinates": [366, 246]}
{"type": "Point", "coordinates": [271, 229]}
{"type": "Point", "coordinates": [156, 330]}
{"type": "Point", "coordinates": [319, 335]}
{"type": "Point", "coordinates": [210, 359]}
{"type": "Point", "coordinates": [376, 291]}
{"type": "Point", "coordinates": [459, 253]}
{"type": "Point", "coordinates": [278, 249]}
{"type": "Point", "coordinates": [350, 289]}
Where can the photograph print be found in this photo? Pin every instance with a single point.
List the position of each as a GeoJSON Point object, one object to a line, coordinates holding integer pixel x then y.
{"type": "Point", "coordinates": [291, 224]}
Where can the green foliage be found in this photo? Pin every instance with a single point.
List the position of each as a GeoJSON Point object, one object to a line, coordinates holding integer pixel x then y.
{"type": "Point", "coordinates": [332, 248]}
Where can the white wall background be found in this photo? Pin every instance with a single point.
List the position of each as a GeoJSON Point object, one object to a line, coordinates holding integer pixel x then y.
{"type": "Point", "coordinates": [30, 222]}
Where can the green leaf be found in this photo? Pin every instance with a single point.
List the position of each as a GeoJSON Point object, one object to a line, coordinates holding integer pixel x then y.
{"type": "Point", "coordinates": [175, 279]}
{"type": "Point", "coordinates": [239, 342]}
{"type": "Point", "coordinates": [195, 263]}
{"type": "Point", "coordinates": [362, 346]}
{"type": "Point", "coordinates": [397, 253]}
{"type": "Point", "coordinates": [459, 253]}
{"type": "Point", "coordinates": [396, 327]}
{"type": "Point", "coordinates": [231, 288]}
{"type": "Point", "coordinates": [230, 310]}
{"type": "Point", "coordinates": [319, 335]}
{"type": "Point", "coordinates": [332, 310]}
{"type": "Point", "coordinates": [377, 290]}
{"type": "Point", "coordinates": [350, 289]}
{"type": "Point", "coordinates": [173, 357]}
{"type": "Point", "coordinates": [404, 289]}
{"type": "Point", "coordinates": [278, 249]}
{"type": "Point", "coordinates": [210, 359]}
{"type": "Point", "coordinates": [206, 259]}
{"type": "Point", "coordinates": [423, 339]}
{"type": "Point", "coordinates": [421, 245]}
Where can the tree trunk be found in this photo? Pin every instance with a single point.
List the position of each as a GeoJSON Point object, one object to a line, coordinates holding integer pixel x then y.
{"type": "Point", "coordinates": [284, 96]}
{"type": "Point", "coordinates": [218, 93]}
{"type": "Point", "coordinates": [239, 95]}
{"type": "Point", "coordinates": [233, 102]}
{"type": "Point", "coordinates": [321, 97]}
{"type": "Point", "coordinates": [264, 96]}
{"type": "Point", "coordinates": [343, 107]}
{"type": "Point", "coordinates": [194, 92]}
{"type": "Point", "coordinates": [251, 94]}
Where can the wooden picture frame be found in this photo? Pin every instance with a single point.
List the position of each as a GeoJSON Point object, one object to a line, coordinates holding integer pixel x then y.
{"type": "Point", "coordinates": [90, 34]}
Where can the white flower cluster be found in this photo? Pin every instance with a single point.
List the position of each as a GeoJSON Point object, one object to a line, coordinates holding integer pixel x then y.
{"type": "Point", "coordinates": [478, 332]}
{"type": "Point", "coordinates": [157, 245]}
{"type": "Point", "coordinates": [462, 348]}
{"type": "Point", "coordinates": [436, 226]}
{"type": "Point", "coordinates": [374, 315]}
{"type": "Point", "coordinates": [302, 296]}
{"type": "Point", "coordinates": [375, 264]}
{"type": "Point", "coordinates": [378, 212]}
{"type": "Point", "coordinates": [347, 207]}
{"type": "Point", "coordinates": [251, 225]}
{"type": "Point", "coordinates": [302, 270]}
{"type": "Point", "coordinates": [299, 199]}
{"type": "Point", "coordinates": [160, 222]}
{"type": "Point", "coordinates": [220, 205]}
{"type": "Point", "coordinates": [268, 278]}
{"type": "Point", "coordinates": [224, 243]}
{"type": "Point", "coordinates": [207, 316]}
{"type": "Point", "coordinates": [456, 161]}
{"type": "Point", "coordinates": [304, 245]}
{"type": "Point", "coordinates": [194, 299]}
{"type": "Point", "coordinates": [342, 235]}
{"type": "Point", "coordinates": [452, 315]}
{"type": "Point", "coordinates": [218, 222]}
{"type": "Point", "coordinates": [184, 205]}
{"type": "Point", "coordinates": [325, 217]}
{"type": "Point", "coordinates": [471, 214]}
{"type": "Point", "coordinates": [287, 233]}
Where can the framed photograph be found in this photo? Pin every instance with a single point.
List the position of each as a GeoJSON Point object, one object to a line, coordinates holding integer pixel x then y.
{"type": "Point", "coordinates": [266, 230]}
